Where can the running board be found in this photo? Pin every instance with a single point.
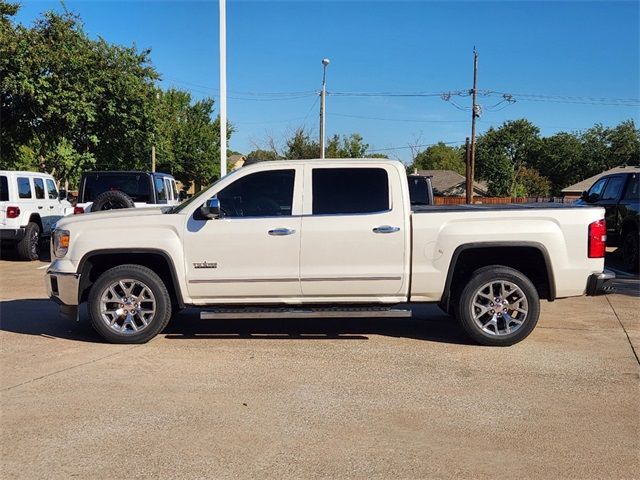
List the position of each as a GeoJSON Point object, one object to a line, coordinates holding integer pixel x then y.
{"type": "Point", "coordinates": [301, 312]}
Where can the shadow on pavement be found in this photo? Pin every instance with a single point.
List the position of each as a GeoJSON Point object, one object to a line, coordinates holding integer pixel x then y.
{"type": "Point", "coordinates": [428, 323]}
{"type": "Point", "coordinates": [626, 283]}
{"type": "Point", "coordinates": [8, 253]}
{"type": "Point", "coordinates": [40, 317]}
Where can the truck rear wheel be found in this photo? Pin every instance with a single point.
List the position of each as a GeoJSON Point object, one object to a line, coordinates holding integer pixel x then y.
{"type": "Point", "coordinates": [129, 304]}
{"type": "Point", "coordinates": [499, 306]}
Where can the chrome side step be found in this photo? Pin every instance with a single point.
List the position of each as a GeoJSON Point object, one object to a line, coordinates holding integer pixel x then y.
{"type": "Point", "coordinates": [228, 313]}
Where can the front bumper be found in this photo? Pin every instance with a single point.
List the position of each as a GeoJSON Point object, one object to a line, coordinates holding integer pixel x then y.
{"type": "Point", "coordinates": [64, 288]}
{"type": "Point", "coordinates": [12, 234]}
{"type": "Point", "coordinates": [600, 283]}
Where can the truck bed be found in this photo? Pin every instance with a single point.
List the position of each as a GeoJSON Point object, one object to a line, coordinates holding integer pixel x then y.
{"type": "Point", "coordinates": [487, 206]}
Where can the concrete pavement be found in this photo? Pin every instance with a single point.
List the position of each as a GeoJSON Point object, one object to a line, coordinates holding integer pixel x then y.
{"type": "Point", "coordinates": [407, 398]}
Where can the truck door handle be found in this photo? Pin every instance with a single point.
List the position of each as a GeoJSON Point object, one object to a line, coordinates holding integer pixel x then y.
{"type": "Point", "coordinates": [386, 229]}
{"type": "Point", "coordinates": [50, 206]}
{"type": "Point", "coordinates": [279, 232]}
{"type": "Point", "coordinates": [39, 207]}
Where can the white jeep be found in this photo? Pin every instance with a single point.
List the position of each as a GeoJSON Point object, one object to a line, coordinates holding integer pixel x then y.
{"type": "Point", "coordinates": [30, 204]}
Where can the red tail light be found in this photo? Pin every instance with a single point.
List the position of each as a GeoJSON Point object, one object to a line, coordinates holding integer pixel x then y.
{"type": "Point", "coordinates": [13, 212]}
{"type": "Point", "coordinates": [597, 239]}
{"type": "Point", "coordinates": [78, 210]}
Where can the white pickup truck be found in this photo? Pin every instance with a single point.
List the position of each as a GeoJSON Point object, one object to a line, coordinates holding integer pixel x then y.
{"type": "Point", "coordinates": [324, 238]}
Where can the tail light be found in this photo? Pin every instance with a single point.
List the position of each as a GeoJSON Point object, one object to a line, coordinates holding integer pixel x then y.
{"type": "Point", "coordinates": [78, 210]}
{"type": "Point", "coordinates": [13, 212]}
{"type": "Point", "coordinates": [597, 239]}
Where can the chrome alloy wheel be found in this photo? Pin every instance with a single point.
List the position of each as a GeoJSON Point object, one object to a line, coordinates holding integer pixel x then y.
{"type": "Point", "coordinates": [127, 306]}
{"type": "Point", "coordinates": [499, 308]}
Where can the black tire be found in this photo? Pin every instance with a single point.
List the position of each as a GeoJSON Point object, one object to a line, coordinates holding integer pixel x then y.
{"type": "Point", "coordinates": [492, 336]}
{"type": "Point", "coordinates": [121, 333]}
{"type": "Point", "coordinates": [30, 243]}
{"type": "Point", "coordinates": [630, 248]}
{"type": "Point", "coordinates": [112, 200]}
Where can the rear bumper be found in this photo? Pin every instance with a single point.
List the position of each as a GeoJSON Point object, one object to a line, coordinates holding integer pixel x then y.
{"type": "Point", "coordinates": [12, 234]}
{"type": "Point", "coordinates": [600, 283]}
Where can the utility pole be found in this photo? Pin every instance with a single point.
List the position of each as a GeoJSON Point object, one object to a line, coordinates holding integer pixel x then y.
{"type": "Point", "coordinates": [474, 115]}
{"type": "Point", "coordinates": [468, 180]}
{"type": "Point", "coordinates": [223, 88]}
{"type": "Point", "coordinates": [323, 95]}
{"type": "Point", "coordinates": [153, 158]}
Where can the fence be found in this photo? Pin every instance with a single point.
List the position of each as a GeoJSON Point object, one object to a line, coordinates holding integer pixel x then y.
{"type": "Point", "coordinates": [500, 200]}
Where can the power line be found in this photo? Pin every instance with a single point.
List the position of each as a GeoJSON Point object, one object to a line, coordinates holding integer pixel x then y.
{"type": "Point", "coordinates": [413, 146]}
{"type": "Point", "coordinates": [408, 120]}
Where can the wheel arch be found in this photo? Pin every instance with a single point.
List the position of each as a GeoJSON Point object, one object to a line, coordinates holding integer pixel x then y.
{"type": "Point", "coordinates": [94, 263]}
{"type": "Point", "coordinates": [35, 218]}
{"type": "Point", "coordinates": [471, 256]}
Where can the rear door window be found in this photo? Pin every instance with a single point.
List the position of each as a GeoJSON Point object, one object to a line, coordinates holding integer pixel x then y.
{"type": "Point", "coordinates": [161, 191]}
{"type": "Point", "coordinates": [38, 186]}
{"type": "Point", "coordinates": [51, 189]}
{"type": "Point", "coordinates": [174, 189]}
{"type": "Point", "coordinates": [613, 188]}
{"type": "Point", "coordinates": [633, 188]}
{"type": "Point", "coordinates": [167, 185]}
{"type": "Point", "coordinates": [343, 191]}
{"type": "Point", "coordinates": [24, 187]}
{"type": "Point", "coordinates": [4, 189]}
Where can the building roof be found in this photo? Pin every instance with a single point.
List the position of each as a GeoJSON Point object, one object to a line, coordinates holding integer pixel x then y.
{"type": "Point", "coordinates": [585, 184]}
{"type": "Point", "coordinates": [445, 180]}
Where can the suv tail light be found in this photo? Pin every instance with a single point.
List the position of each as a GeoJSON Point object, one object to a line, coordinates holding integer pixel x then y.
{"type": "Point", "coordinates": [78, 210]}
{"type": "Point", "coordinates": [13, 212]}
{"type": "Point", "coordinates": [597, 239]}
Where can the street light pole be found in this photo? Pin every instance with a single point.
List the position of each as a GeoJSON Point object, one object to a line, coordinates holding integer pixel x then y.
{"type": "Point", "coordinates": [223, 88]}
{"type": "Point", "coordinates": [323, 95]}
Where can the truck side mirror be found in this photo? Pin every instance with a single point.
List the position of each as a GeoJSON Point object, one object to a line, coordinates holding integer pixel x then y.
{"type": "Point", "coordinates": [182, 196]}
{"type": "Point", "coordinates": [211, 209]}
{"type": "Point", "coordinates": [62, 195]}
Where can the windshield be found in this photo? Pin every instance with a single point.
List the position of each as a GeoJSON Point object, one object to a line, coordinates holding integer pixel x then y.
{"type": "Point", "coordinates": [186, 203]}
{"type": "Point", "coordinates": [134, 185]}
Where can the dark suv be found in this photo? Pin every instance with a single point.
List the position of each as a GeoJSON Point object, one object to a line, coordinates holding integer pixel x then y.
{"type": "Point", "coordinates": [125, 189]}
{"type": "Point", "coordinates": [619, 194]}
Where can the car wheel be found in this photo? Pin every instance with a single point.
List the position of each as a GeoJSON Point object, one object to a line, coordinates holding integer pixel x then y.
{"type": "Point", "coordinates": [129, 304]}
{"type": "Point", "coordinates": [28, 246]}
{"type": "Point", "coordinates": [498, 307]}
{"type": "Point", "coordinates": [630, 251]}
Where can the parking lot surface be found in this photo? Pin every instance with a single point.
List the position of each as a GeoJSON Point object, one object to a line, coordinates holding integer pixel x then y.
{"type": "Point", "coordinates": [383, 398]}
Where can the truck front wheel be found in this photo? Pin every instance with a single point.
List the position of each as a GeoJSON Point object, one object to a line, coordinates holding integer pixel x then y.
{"type": "Point", "coordinates": [129, 304]}
{"type": "Point", "coordinates": [499, 306]}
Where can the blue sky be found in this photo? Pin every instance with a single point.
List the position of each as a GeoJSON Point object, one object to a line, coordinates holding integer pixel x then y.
{"type": "Point", "coordinates": [567, 49]}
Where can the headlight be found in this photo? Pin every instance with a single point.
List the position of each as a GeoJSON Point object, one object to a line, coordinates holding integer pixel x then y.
{"type": "Point", "coordinates": [60, 243]}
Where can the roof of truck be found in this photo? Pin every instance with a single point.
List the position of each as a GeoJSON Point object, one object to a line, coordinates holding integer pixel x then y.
{"type": "Point", "coordinates": [587, 182]}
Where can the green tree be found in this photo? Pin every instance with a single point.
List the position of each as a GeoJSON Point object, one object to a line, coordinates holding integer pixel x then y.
{"type": "Point", "coordinates": [441, 157]}
{"type": "Point", "coordinates": [624, 144]}
{"type": "Point", "coordinates": [70, 103]}
{"type": "Point", "coordinates": [529, 183]}
{"type": "Point", "coordinates": [502, 153]}
{"type": "Point", "coordinates": [187, 139]}
{"type": "Point", "coordinates": [300, 145]}
{"type": "Point", "coordinates": [561, 159]}
{"type": "Point", "coordinates": [262, 155]}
